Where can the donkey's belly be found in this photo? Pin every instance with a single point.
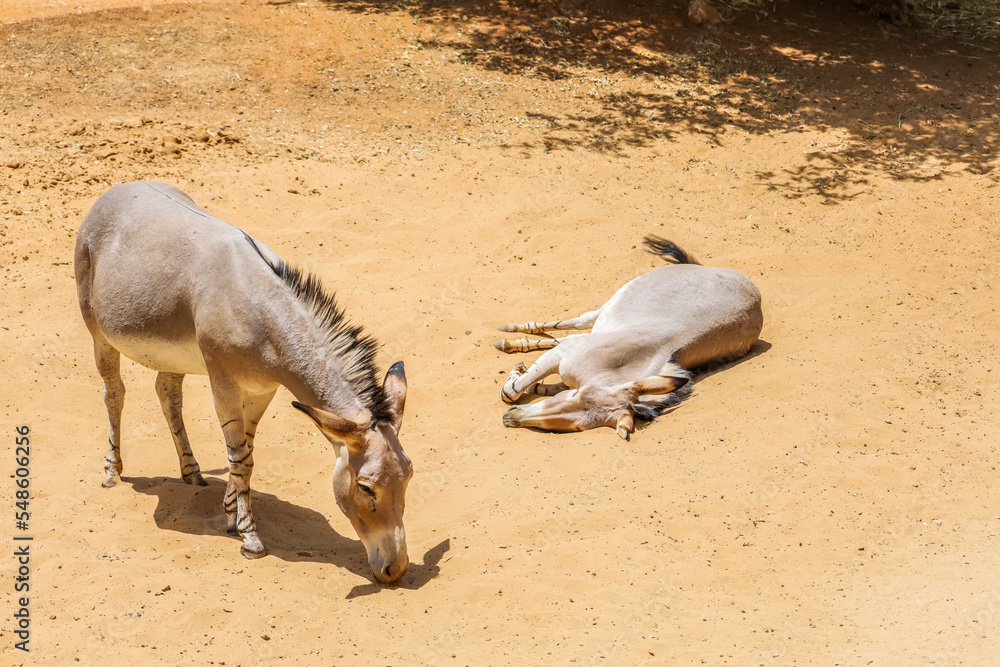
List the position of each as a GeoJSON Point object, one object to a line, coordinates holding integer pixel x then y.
{"type": "Point", "coordinates": [171, 356]}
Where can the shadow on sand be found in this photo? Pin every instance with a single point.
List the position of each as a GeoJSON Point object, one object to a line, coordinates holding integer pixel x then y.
{"type": "Point", "coordinates": [291, 532]}
{"type": "Point", "coordinates": [905, 104]}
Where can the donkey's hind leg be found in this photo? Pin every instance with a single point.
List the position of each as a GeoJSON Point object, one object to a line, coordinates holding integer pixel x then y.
{"type": "Point", "coordinates": [584, 321]}
{"type": "Point", "coordinates": [169, 389]}
{"type": "Point", "coordinates": [109, 366]}
{"type": "Point", "coordinates": [525, 345]}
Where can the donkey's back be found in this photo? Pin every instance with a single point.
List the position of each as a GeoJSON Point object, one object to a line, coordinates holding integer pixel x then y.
{"type": "Point", "coordinates": [702, 314]}
{"type": "Point", "coordinates": [144, 253]}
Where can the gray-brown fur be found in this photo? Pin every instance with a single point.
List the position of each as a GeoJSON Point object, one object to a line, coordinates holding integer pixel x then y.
{"type": "Point", "coordinates": [183, 292]}
{"type": "Point", "coordinates": [644, 343]}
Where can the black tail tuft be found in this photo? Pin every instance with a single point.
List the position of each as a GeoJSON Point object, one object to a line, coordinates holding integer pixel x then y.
{"type": "Point", "coordinates": [667, 250]}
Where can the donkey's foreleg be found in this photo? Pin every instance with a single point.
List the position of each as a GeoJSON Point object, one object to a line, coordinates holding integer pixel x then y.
{"type": "Point", "coordinates": [584, 321]}
{"type": "Point", "coordinates": [254, 406]}
{"type": "Point", "coordinates": [521, 378]}
{"type": "Point", "coordinates": [236, 502]}
{"type": "Point", "coordinates": [525, 344]}
{"type": "Point", "coordinates": [169, 389]}
{"type": "Point", "coordinates": [542, 389]}
{"type": "Point", "coordinates": [108, 365]}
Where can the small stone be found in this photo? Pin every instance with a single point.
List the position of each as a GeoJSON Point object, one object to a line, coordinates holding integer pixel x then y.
{"type": "Point", "coordinates": [227, 135]}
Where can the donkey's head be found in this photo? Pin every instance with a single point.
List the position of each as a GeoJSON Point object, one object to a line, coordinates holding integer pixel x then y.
{"type": "Point", "coordinates": [591, 406]}
{"type": "Point", "coordinates": [370, 478]}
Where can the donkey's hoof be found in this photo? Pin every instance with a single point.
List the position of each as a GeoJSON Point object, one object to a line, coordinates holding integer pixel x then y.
{"type": "Point", "coordinates": [251, 554]}
{"type": "Point", "coordinates": [196, 479]}
{"type": "Point", "coordinates": [508, 397]}
{"type": "Point", "coordinates": [512, 418]}
{"type": "Point", "coordinates": [252, 547]}
{"type": "Point", "coordinates": [112, 480]}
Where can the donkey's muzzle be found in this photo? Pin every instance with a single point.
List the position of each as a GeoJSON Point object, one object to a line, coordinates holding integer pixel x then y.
{"type": "Point", "coordinates": [388, 559]}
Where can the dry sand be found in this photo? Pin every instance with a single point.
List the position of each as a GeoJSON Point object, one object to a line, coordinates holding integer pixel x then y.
{"type": "Point", "coordinates": [450, 167]}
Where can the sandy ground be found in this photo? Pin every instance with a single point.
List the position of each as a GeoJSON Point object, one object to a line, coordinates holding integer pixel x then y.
{"type": "Point", "coordinates": [450, 167]}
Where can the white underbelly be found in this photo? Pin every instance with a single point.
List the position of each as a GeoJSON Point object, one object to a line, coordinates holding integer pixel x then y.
{"type": "Point", "coordinates": [160, 355]}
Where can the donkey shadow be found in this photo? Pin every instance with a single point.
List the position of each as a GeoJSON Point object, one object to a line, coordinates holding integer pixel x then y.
{"type": "Point", "coordinates": [708, 370]}
{"type": "Point", "coordinates": [415, 577]}
{"type": "Point", "coordinates": [291, 532]}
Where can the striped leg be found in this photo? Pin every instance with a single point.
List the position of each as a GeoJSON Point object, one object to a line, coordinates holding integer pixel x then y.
{"type": "Point", "coordinates": [542, 389]}
{"type": "Point", "coordinates": [236, 503]}
{"type": "Point", "coordinates": [585, 321]}
{"type": "Point", "coordinates": [254, 406]}
{"type": "Point", "coordinates": [169, 388]}
{"type": "Point", "coordinates": [525, 344]}
{"type": "Point", "coordinates": [521, 378]}
{"type": "Point", "coordinates": [108, 365]}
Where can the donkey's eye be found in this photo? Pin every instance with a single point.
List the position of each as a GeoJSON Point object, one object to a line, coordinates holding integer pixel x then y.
{"type": "Point", "coordinates": [368, 490]}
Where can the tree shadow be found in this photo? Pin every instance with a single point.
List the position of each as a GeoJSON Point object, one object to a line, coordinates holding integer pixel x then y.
{"type": "Point", "coordinates": [861, 102]}
{"type": "Point", "coordinates": [906, 105]}
{"type": "Point", "coordinates": [290, 532]}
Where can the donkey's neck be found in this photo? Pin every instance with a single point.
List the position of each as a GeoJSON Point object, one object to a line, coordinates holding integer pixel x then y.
{"type": "Point", "coordinates": [316, 376]}
{"type": "Point", "coordinates": [322, 359]}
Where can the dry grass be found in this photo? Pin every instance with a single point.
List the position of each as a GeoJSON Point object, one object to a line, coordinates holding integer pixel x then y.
{"type": "Point", "coordinates": [976, 19]}
{"type": "Point", "coordinates": [979, 19]}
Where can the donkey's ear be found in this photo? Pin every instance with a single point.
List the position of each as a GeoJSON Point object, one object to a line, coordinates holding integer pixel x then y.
{"type": "Point", "coordinates": [350, 432]}
{"type": "Point", "coordinates": [394, 387]}
{"type": "Point", "coordinates": [657, 384]}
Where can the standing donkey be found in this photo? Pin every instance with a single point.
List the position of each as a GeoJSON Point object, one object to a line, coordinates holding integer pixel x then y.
{"type": "Point", "coordinates": [643, 344]}
{"type": "Point", "coordinates": [181, 291]}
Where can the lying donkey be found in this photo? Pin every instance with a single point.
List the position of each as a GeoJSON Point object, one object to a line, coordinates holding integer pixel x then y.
{"type": "Point", "coordinates": [180, 291]}
{"type": "Point", "coordinates": [643, 344]}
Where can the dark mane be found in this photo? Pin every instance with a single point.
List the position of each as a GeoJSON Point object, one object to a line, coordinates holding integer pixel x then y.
{"type": "Point", "coordinates": [355, 348]}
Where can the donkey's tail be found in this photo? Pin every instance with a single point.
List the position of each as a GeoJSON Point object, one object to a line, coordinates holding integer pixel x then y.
{"type": "Point", "coordinates": [668, 251]}
{"type": "Point", "coordinates": [651, 407]}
